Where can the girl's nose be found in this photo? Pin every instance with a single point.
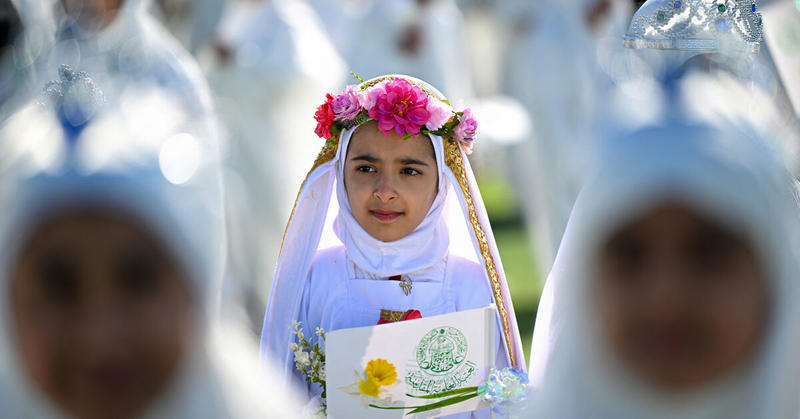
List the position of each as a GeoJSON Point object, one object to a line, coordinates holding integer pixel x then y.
{"type": "Point", "coordinates": [385, 190]}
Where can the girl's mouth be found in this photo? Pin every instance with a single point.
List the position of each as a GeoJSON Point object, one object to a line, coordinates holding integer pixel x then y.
{"type": "Point", "coordinates": [385, 215]}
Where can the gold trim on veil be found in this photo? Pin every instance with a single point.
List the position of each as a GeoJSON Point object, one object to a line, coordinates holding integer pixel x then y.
{"type": "Point", "coordinates": [454, 160]}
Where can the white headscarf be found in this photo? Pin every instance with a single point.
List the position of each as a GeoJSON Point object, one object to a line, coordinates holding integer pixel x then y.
{"type": "Point", "coordinates": [458, 213]}
{"type": "Point", "coordinates": [170, 181]}
{"type": "Point", "coordinates": [423, 248]}
{"type": "Point", "coordinates": [720, 166]}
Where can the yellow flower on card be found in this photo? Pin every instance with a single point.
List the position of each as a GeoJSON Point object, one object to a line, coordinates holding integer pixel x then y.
{"type": "Point", "coordinates": [368, 387]}
{"type": "Point", "coordinates": [382, 372]}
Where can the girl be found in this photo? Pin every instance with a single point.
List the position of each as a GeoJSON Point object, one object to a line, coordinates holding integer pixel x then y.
{"type": "Point", "coordinates": [407, 231]}
{"type": "Point", "coordinates": [672, 294]}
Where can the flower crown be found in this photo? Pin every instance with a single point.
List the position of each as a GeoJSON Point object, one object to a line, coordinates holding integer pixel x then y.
{"type": "Point", "coordinates": [398, 105]}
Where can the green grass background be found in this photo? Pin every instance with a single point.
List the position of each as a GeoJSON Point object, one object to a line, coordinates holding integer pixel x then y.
{"type": "Point", "coordinates": [516, 250]}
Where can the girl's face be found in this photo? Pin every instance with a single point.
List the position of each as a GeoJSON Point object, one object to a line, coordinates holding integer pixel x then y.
{"type": "Point", "coordinates": [682, 300]}
{"type": "Point", "coordinates": [103, 313]}
{"type": "Point", "coordinates": [391, 183]}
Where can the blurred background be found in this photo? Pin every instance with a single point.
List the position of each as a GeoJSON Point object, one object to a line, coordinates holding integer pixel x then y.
{"type": "Point", "coordinates": [537, 74]}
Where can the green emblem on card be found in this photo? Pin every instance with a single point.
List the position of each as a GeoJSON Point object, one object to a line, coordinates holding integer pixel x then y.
{"type": "Point", "coordinates": [441, 363]}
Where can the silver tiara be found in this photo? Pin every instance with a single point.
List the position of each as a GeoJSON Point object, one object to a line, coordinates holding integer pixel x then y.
{"type": "Point", "coordinates": [696, 25]}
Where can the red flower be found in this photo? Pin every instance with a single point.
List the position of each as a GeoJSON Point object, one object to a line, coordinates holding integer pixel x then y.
{"type": "Point", "coordinates": [401, 107]}
{"type": "Point", "coordinates": [325, 117]}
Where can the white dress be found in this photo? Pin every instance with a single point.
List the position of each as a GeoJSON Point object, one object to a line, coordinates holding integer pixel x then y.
{"type": "Point", "coordinates": [339, 295]}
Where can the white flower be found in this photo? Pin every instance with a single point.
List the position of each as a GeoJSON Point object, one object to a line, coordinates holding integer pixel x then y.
{"type": "Point", "coordinates": [320, 331]}
{"type": "Point", "coordinates": [295, 324]}
{"type": "Point", "coordinates": [301, 357]}
{"type": "Point", "coordinates": [292, 346]}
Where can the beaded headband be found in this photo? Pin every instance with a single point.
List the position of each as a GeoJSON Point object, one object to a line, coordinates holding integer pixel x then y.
{"type": "Point", "coordinates": [696, 25]}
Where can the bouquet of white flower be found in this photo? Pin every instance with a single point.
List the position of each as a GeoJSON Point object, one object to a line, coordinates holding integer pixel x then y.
{"type": "Point", "coordinates": [309, 359]}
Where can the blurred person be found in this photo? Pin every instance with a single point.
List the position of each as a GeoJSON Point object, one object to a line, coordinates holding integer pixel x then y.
{"type": "Point", "coordinates": [26, 33]}
{"type": "Point", "coordinates": [11, 29]}
{"type": "Point", "coordinates": [120, 40]}
{"type": "Point", "coordinates": [553, 67]}
{"type": "Point", "coordinates": [672, 294]}
{"type": "Point", "coordinates": [113, 254]}
{"type": "Point", "coordinates": [270, 63]}
{"type": "Point", "coordinates": [381, 229]}
{"type": "Point", "coordinates": [421, 38]}
{"type": "Point", "coordinates": [192, 22]}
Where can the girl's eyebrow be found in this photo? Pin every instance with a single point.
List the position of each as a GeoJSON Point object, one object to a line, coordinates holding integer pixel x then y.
{"type": "Point", "coordinates": [409, 160]}
{"type": "Point", "coordinates": [366, 157]}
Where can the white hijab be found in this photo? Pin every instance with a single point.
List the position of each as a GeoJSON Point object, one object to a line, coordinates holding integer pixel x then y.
{"type": "Point", "coordinates": [720, 166]}
{"type": "Point", "coordinates": [426, 246]}
{"type": "Point", "coordinates": [457, 217]}
{"type": "Point", "coordinates": [169, 180]}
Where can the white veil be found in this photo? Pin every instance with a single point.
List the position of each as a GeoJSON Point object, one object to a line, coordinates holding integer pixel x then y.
{"type": "Point", "coordinates": [169, 180]}
{"type": "Point", "coordinates": [310, 229]}
{"type": "Point", "coordinates": [716, 164]}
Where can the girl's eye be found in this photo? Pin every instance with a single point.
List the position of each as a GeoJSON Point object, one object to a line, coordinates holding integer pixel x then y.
{"type": "Point", "coordinates": [365, 169]}
{"type": "Point", "coordinates": [410, 172]}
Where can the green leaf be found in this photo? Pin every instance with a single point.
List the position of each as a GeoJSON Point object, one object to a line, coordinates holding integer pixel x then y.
{"type": "Point", "coordinates": [425, 408]}
{"type": "Point", "coordinates": [446, 393]}
{"type": "Point", "coordinates": [443, 403]}
{"type": "Point", "coordinates": [357, 76]}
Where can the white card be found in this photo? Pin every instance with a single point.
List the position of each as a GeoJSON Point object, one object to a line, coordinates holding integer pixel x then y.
{"type": "Point", "coordinates": [430, 355]}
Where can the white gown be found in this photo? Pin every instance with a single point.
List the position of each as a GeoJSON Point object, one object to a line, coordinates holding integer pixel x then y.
{"type": "Point", "coordinates": [454, 284]}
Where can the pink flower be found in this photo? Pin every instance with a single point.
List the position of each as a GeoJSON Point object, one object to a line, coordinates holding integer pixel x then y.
{"type": "Point", "coordinates": [325, 117]}
{"type": "Point", "coordinates": [465, 131]}
{"type": "Point", "coordinates": [369, 97]}
{"type": "Point", "coordinates": [346, 106]}
{"type": "Point", "coordinates": [401, 107]}
{"type": "Point", "coordinates": [439, 114]}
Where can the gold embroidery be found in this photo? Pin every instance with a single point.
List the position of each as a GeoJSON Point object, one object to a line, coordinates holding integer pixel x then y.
{"type": "Point", "coordinates": [454, 160]}
{"type": "Point", "coordinates": [369, 83]}
{"type": "Point", "coordinates": [392, 316]}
